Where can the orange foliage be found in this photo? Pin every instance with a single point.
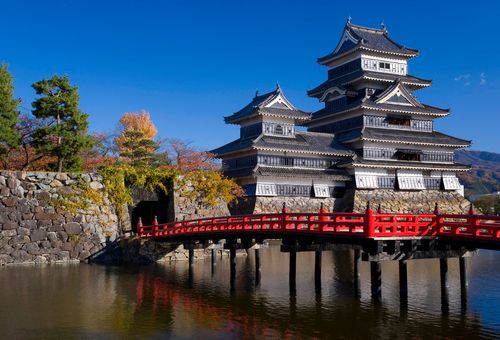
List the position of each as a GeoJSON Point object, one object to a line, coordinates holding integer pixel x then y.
{"type": "Point", "coordinates": [133, 121]}
{"type": "Point", "coordinates": [188, 159]}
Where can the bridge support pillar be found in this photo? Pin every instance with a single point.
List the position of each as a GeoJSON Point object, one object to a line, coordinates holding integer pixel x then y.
{"type": "Point", "coordinates": [403, 280]}
{"type": "Point", "coordinates": [463, 264]}
{"type": "Point", "coordinates": [443, 271]}
{"type": "Point", "coordinates": [317, 269]}
{"type": "Point", "coordinates": [214, 258]}
{"type": "Point", "coordinates": [376, 280]}
{"type": "Point", "coordinates": [356, 272]}
{"type": "Point", "coordinates": [191, 255]}
{"type": "Point", "coordinates": [232, 261]}
{"type": "Point", "coordinates": [257, 266]}
{"type": "Point", "coordinates": [292, 269]}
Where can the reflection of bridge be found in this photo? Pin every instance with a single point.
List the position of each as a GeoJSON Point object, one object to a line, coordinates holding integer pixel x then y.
{"type": "Point", "coordinates": [375, 237]}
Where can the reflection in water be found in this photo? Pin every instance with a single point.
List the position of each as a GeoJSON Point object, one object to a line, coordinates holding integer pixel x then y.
{"type": "Point", "coordinates": [173, 300]}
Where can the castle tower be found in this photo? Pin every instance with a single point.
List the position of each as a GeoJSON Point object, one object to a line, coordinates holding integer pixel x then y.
{"type": "Point", "coordinates": [371, 109]}
{"type": "Point", "coordinates": [276, 163]}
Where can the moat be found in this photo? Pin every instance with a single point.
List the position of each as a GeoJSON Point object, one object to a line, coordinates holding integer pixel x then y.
{"type": "Point", "coordinates": [158, 301]}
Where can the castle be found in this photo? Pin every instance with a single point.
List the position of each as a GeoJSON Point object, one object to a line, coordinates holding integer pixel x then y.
{"type": "Point", "coordinates": [372, 141]}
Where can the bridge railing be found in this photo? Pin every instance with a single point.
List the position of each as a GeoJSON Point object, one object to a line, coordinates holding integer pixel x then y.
{"type": "Point", "coordinates": [368, 224]}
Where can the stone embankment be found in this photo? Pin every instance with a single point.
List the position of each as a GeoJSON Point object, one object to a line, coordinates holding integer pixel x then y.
{"type": "Point", "coordinates": [449, 202]}
{"type": "Point", "coordinates": [35, 228]}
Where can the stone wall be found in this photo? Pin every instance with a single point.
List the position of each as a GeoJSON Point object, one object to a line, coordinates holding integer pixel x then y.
{"type": "Point", "coordinates": [450, 202]}
{"type": "Point", "coordinates": [182, 208]}
{"type": "Point", "coordinates": [35, 229]}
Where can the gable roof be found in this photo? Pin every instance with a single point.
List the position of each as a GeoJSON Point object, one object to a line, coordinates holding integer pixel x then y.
{"type": "Point", "coordinates": [273, 103]}
{"type": "Point", "coordinates": [397, 94]}
{"type": "Point", "coordinates": [359, 37]}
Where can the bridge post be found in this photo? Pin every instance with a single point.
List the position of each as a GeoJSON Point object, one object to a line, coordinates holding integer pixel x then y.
{"type": "Point", "coordinates": [292, 274]}
{"type": "Point", "coordinates": [214, 257]}
{"type": "Point", "coordinates": [443, 271]}
{"type": "Point", "coordinates": [232, 261]}
{"type": "Point", "coordinates": [376, 280]}
{"type": "Point", "coordinates": [463, 274]}
{"type": "Point", "coordinates": [403, 279]}
{"type": "Point", "coordinates": [257, 265]}
{"type": "Point", "coordinates": [191, 255]}
{"type": "Point", "coordinates": [317, 269]}
{"type": "Point", "coordinates": [356, 271]}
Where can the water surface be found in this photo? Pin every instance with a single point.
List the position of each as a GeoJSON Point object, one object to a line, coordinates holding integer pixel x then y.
{"type": "Point", "coordinates": [160, 301]}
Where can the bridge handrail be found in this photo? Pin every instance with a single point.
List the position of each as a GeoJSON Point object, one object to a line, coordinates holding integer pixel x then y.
{"type": "Point", "coordinates": [368, 224]}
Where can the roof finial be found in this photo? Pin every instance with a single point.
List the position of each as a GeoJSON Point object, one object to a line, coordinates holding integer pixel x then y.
{"type": "Point", "coordinates": [349, 20]}
{"type": "Point", "coordinates": [278, 86]}
{"type": "Point", "coordinates": [256, 93]}
{"type": "Point", "coordinates": [382, 24]}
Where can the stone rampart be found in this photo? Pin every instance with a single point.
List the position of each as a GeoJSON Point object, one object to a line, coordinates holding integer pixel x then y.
{"type": "Point", "coordinates": [37, 227]}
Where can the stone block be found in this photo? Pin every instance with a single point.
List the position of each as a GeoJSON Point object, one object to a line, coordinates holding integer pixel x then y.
{"type": "Point", "coordinates": [9, 233]}
{"type": "Point", "coordinates": [38, 235]}
{"type": "Point", "coordinates": [44, 216]}
{"type": "Point", "coordinates": [7, 249]}
{"type": "Point", "coordinates": [73, 228]}
{"type": "Point", "coordinates": [10, 225]}
{"type": "Point", "coordinates": [12, 183]}
{"type": "Point", "coordinates": [68, 246]}
{"type": "Point", "coordinates": [41, 259]}
{"type": "Point", "coordinates": [64, 255]}
{"type": "Point", "coordinates": [51, 236]}
{"type": "Point", "coordinates": [5, 259]}
{"type": "Point", "coordinates": [21, 231]}
{"type": "Point", "coordinates": [61, 235]}
{"type": "Point", "coordinates": [33, 248]}
{"type": "Point", "coordinates": [10, 201]}
{"type": "Point", "coordinates": [20, 256]}
{"type": "Point", "coordinates": [61, 176]}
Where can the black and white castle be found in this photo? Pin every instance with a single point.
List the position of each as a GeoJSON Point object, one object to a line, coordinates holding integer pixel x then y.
{"type": "Point", "coordinates": [373, 138]}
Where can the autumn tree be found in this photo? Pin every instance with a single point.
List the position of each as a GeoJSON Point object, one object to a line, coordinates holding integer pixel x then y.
{"type": "Point", "coordinates": [26, 157]}
{"type": "Point", "coordinates": [65, 134]}
{"type": "Point", "coordinates": [187, 158]}
{"type": "Point", "coordinates": [101, 154]}
{"type": "Point", "coordinates": [136, 144]}
{"type": "Point", "coordinates": [9, 114]}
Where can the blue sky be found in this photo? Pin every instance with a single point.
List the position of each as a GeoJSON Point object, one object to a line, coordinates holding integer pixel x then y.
{"type": "Point", "coordinates": [190, 63]}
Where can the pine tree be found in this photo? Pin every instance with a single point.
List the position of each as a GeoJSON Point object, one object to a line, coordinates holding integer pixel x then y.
{"type": "Point", "coordinates": [64, 135]}
{"type": "Point", "coordinates": [9, 114]}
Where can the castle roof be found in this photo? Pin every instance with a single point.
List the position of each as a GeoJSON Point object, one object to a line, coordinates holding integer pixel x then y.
{"type": "Point", "coordinates": [303, 142]}
{"type": "Point", "coordinates": [407, 165]}
{"type": "Point", "coordinates": [360, 75]}
{"type": "Point", "coordinates": [357, 37]}
{"type": "Point", "coordinates": [272, 104]}
{"type": "Point", "coordinates": [289, 172]}
{"type": "Point", "coordinates": [433, 138]}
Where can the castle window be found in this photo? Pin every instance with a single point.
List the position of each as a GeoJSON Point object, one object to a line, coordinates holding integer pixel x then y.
{"type": "Point", "coordinates": [385, 66]}
{"type": "Point", "coordinates": [401, 121]}
{"type": "Point", "coordinates": [278, 130]}
{"type": "Point", "coordinates": [408, 155]}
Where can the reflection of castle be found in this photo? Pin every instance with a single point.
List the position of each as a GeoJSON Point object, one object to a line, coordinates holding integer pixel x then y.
{"type": "Point", "coordinates": [372, 133]}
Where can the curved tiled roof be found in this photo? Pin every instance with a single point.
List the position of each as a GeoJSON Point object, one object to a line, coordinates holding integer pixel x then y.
{"type": "Point", "coordinates": [303, 142]}
{"type": "Point", "coordinates": [369, 39]}
{"type": "Point", "coordinates": [260, 106]}
{"type": "Point", "coordinates": [345, 80]}
{"type": "Point", "coordinates": [402, 136]}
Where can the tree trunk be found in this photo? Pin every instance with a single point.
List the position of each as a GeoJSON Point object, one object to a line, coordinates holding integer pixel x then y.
{"type": "Point", "coordinates": [59, 142]}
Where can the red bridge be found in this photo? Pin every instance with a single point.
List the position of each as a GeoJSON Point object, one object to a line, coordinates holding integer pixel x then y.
{"type": "Point", "coordinates": [484, 229]}
{"type": "Point", "coordinates": [374, 236]}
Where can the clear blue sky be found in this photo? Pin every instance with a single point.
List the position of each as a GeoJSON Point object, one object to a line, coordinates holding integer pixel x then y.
{"type": "Point", "coordinates": [190, 63]}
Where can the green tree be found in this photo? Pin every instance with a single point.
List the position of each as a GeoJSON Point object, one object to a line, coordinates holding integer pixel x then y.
{"type": "Point", "coordinates": [64, 135]}
{"type": "Point", "coordinates": [9, 114]}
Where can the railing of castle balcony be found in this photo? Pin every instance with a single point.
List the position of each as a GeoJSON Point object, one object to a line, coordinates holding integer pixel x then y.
{"type": "Point", "coordinates": [415, 124]}
{"type": "Point", "coordinates": [426, 156]}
